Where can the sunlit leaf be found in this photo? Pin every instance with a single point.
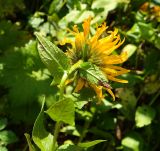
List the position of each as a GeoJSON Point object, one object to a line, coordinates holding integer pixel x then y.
{"type": "Point", "coordinates": [130, 49]}
{"type": "Point", "coordinates": [31, 147]}
{"type": "Point", "coordinates": [142, 31]}
{"type": "Point", "coordinates": [93, 74]}
{"type": "Point", "coordinates": [54, 58]}
{"type": "Point", "coordinates": [105, 6]}
{"type": "Point", "coordinates": [132, 141]}
{"type": "Point", "coordinates": [62, 111]}
{"type": "Point", "coordinates": [90, 144]}
{"type": "Point", "coordinates": [71, 130]}
{"type": "Point", "coordinates": [8, 137]}
{"type": "Point", "coordinates": [144, 115]}
{"type": "Point", "coordinates": [69, 147]}
{"type": "Point", "coordinates": [75, 16]}
{"type": "Point", "coordinates": [42, 138]}
{"type": "Point", "coordinates": [2, 148]}
{"type": "Point", "coordinates": [56, 6]}
{"type": "Point", "coordinates": [147, 31]}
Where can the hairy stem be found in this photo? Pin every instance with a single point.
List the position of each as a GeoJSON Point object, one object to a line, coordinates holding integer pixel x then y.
{"type": "Point", "coordinates": [56, 132]}
{"type": "Point", "coordinates": [62, 89]}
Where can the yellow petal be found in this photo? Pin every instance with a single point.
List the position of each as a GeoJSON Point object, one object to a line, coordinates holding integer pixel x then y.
{"type": "Point", "coordinates": [107, 48]}
{"type": "Point", "coordinates": [114, 70]}
{"type": "Point", "coordinates": [79, 41]}
{"type": "Point", "coordinates": [107, 39]}
{"type": "Point", "coordinates": [114, 32]}
{"type": "Point", "coordinates": [109, 51]}
{"type": "Point", "coordinates": [86, 26]}
{"type": "Point", "coordinates": [117, 68]}
{"type": "Point", "coordinates": [68, 81]}
{"type": "Point", "coordinates": [65, 41]}
{"type": "Point", "coordinates": [111, 93]}
{"type": "Point", "coordinates": [98, 33]}
{"type": "Point", "coordinates": [75, 29]}
{"type": "Point", "coordinates": [116, 59]}
{"type": "Point", "coordinates": [116, 79]}
{"type": "Point", "coordinates": [98, 90]}
{"type": "Point", "coordinates": [80, 85]}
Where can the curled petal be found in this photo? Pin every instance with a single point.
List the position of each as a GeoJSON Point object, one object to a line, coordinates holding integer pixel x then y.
{"type": "Point", "coordinates": [116, 59]}
{"type": "Point", "coordinates": [98, 90]}
{"type": "Point", "coordinates": [65, 41]}
{"type": "Point", "coordinates": [98, 33]}
{"type": "Point", "coordinates": [68, 81]}
{"type": "Point", "coordinates": [111, 93]}
{"type": "Point", "coordinates": [107, 39]}
{"type": "Point", "coordinates": [109, 51]}
{"type": "Point", "coordinates": [80, 85]}
{"type": "Point", "coordinates": [115, 32]}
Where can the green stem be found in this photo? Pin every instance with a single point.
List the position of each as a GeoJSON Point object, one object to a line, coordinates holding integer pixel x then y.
{"type": "Point", "coordinates": [61, 89]}
{"type": "Point", "coordinates": [56, 132]}
{"type": "Point", "coordinates": [75, 66]}
{"type": "Point", "coordinates": [154, 98]}
{"type": "Point", "coordinates": [62, 85]}
{"type": "Point", "coordinates": [85, 130]}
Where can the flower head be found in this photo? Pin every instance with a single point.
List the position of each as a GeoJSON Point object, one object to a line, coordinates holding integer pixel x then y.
{"type": "Point", "coordinates": [97, 50]}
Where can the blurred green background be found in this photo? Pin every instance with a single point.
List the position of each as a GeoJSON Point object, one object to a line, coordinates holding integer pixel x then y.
{"type": "Point", "coordinates": [132, 122]}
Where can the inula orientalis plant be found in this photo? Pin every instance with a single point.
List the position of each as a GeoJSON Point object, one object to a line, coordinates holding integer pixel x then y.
{"type": "Point", "coordinates": [88, 62]}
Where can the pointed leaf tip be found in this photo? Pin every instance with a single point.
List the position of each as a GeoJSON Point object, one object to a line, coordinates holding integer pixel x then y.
{"type": "Point", "coordinates": [54, 58]}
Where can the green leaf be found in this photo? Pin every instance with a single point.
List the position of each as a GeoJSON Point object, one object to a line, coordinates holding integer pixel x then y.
{"type": "Point", "coordinates": [62, 111]}
{"type": "Point", "coordinates": [24, 64]}
{"type": "Point", "coordinates": [75, 16]}
{"type": "Point", "coordinates": [84, 96]}
{"type": "Point", "coordinates": [10, 34]}
{"type": "Point", "coordinates": [132, 142]}
{"type": "Point", "coordinates": [90, 144]}
{"type": "Point", "coordinates": [69, 147]}
{"type": "Point", "coordinates": [3, 123]}
{"type": "Point", "coordinates": [31, 147]}
{"type": "Point", "coordinates": [144, 115]}
{"type": "Point", "coordinates": [7, 137]}
{"type": "Point", "coordinates": [134, 32]}
{"type": "Point", "coordinates": [147, 31]}
{"type": "Point", "coordinates": [80, 104]}
{"type": "Point", "coordinates": [56, 6]}
{"type": "Point", "coordinates": [70, 130]}
{"type": "Point", "coordinates": [93, 74]}
{"type": "Point", "coordinates": [128, 101]}
{"type": "Point", "coordinates": [142, 31]}
{"type": "Point", "coordinates": [151, 87]}
{"type": "Point", "coordinates": [105, 6]}
{"type": "Point", "coordinates": [41, 137]}
{"type": "Point", "coordinates": [54, 58]}
{"type": "Point", "coordinates": [3, 148]}
{"type": "Point", "coordinates": [76, 99]}
{"type": "Point", "coordinates": [130, 49]}
{"type": "Point", "coordinates": [157, 2]}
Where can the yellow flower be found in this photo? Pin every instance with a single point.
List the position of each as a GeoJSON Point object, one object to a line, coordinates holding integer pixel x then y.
{"type": "Point", "coordinates": [97, 50]}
